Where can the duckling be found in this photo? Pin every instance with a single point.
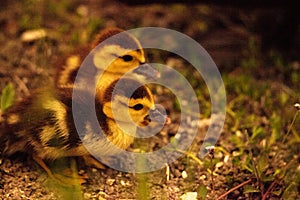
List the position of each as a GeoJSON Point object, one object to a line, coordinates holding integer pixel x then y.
{"type": "Point", "coordinates": [43, 126]}
{"type": "Point", "coordinates": [113, 53]}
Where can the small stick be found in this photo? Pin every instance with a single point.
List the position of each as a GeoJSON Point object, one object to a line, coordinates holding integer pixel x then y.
{"type": "Point", "coordinates": [232, 189]}
{"type": "Point", "coordinates": [268, 191]}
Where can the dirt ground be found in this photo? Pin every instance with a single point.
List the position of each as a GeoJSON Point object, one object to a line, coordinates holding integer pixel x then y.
{"type": "Point", "coordinates": [224, 32]}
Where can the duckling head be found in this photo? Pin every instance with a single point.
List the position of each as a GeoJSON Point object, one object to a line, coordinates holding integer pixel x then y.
{"type": "Point", "coordinates": [131, 105]}
{"type": "Point", "coordinates": [118, 52]}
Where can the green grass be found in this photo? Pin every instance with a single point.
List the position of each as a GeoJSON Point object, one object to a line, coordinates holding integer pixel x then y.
{"type": "Point", "coordinates": [7, 97]}
{"type": "Point", "coordinates": [263, 127]}
{"type": "Point", "coordinates": [261, 133]}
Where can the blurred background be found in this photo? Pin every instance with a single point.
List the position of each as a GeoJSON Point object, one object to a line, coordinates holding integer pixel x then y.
{"type": "Point", "coordinates": [231, 33]}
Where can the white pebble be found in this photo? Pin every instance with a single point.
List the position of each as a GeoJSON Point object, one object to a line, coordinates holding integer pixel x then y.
{"type": "Point", "coordinates": [184, 174]}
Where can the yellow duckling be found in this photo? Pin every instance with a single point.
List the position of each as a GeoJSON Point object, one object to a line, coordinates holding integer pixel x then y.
{"type": "Point", "coordinates": [43, 125]}
{"type": "Point", "coordinates": [113, 53]}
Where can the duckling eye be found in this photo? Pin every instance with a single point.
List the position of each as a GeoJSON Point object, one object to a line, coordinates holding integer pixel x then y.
{"type": "Point", "coordinates": [138, 107]}
{"type": "Point", "coordinates": [127, 58]}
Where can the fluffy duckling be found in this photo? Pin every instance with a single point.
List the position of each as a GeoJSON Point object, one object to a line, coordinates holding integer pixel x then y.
{"type": "Point", "coordinates": [113, 53]}
{"type": "Point", "coordinates": [43, 125]}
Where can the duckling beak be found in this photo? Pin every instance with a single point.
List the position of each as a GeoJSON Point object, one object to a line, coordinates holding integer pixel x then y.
{"type": "Point", "coordinates": [156, 116]}
{"type": "Point", "coordinates": [148, 71]}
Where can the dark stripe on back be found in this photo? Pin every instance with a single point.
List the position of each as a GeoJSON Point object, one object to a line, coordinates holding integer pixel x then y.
{"type": "Point", "coordinates": [125, 87]}
{"type": "Point", "coordinates": [84, 112]}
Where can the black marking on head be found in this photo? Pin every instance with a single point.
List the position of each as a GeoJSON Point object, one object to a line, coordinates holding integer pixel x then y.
{"type": "Point", "coordinates": [124, 40]}
{"type": "Point", "coordinates": [125, 87]}
{"type": "Point", "coordinates": [139, 93]}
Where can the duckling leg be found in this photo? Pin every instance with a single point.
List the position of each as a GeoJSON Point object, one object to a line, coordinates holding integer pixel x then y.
{"type": "Point", "coordinates": [90, 161]}
{"type": "Point", "coordinates": [64, 180]}
{"type": "Point", "coordinates": [43, 165]}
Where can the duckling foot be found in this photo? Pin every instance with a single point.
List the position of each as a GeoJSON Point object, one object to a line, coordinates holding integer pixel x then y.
{"type": "Point", "coordinates": [92, 162]}
{"type": "Point", "coordinates": [71, 177]}
{"type": "Point", "coordinates": [69, 180]}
